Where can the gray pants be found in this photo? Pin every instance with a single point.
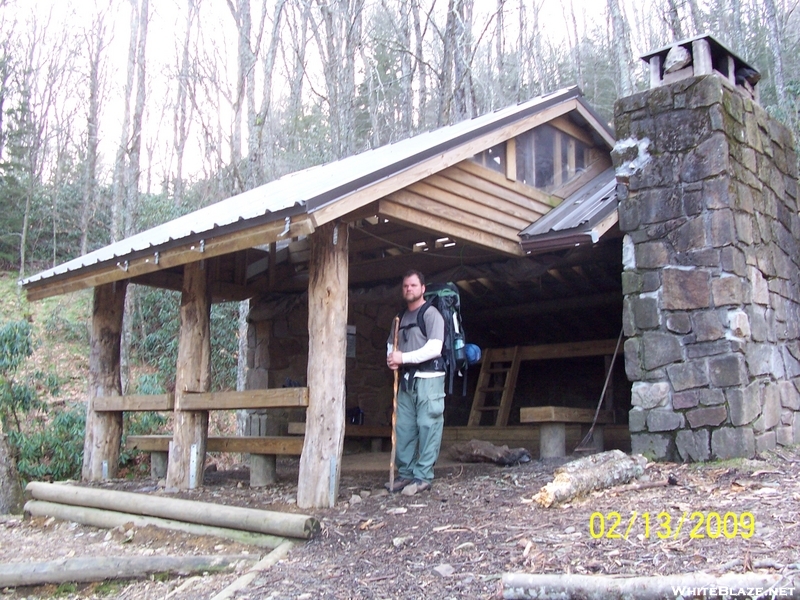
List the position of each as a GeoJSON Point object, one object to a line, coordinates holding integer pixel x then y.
{"type": "Point", "coordinates": [420, 418]}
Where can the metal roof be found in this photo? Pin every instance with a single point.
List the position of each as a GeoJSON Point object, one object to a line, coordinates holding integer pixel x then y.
{"type": "Point", "coordinates": [304, 191]}
{"type": "Point", "coordinates": [573, 221]}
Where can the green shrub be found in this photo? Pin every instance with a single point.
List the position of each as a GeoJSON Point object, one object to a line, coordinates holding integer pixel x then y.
{"type": "Point", "coordinates": [51, 445]}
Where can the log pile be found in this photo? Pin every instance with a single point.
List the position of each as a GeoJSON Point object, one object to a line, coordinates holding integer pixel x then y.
{"type": "Point", "coordinates": [595, 472]}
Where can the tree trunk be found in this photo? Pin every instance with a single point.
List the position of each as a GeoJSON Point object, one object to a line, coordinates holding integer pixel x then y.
{"type": "Point", "coordinates": [104, 429]}
{"type": "Point", "coordinates": [320, 463]}
{"type": "Point", "coordinates": [96, 46]}
{"type": "Point", "coordinates": [181, 127]}
{"type": "Point", "coordinates": [620, 37]}
{"type": "Point", "coordinates": [773, 31]}
{"type": "Point", "coordinates": [193, 374]}
{"type": "Point", "coordinates": [10, 489]}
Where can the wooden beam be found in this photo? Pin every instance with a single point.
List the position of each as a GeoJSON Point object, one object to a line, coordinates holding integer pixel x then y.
{"type": "Point", "coordinates": [599, 127]}
{"type": "Point", "coordinates": [554, 351]}
{"type": "Point", "coordinates": [157, 402]}
{"type": "Point", "coordinates": [451, 212]}
{"type": "Point", "coordinates": [562, 414]}
{"type": "Point", "coordinates": [477, 200]}
{"type": "Point", "coordinates": [291, 445]}
{"type": "Point", "coordinates": [184, 254]}
{"type": "Point", "coordinates": [350, 430]}
{"type": "Point", "coordinates": [104, 429]}
{"type": "Point", "coordinates": [321, 461]}
{"type": "Point", "coordinates": [296, 397]}
{"type": "Point", "coordinates": [542, 307]}
{"type": "Point", "coordinates": [193, 374]}
{"type": "Point", "coordinates": [511, 159]}
{"type": "Point", "coordinates": [435, 224]}
{"type": "Point", "coordinates": [571, 129]}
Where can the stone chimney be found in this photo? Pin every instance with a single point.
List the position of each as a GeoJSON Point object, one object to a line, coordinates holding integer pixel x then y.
{"type": "Point", "coordinates": [707, 183]}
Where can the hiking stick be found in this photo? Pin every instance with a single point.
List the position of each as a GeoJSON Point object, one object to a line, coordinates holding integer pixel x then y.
{"type": "Point", "coordinates": [394, 407]}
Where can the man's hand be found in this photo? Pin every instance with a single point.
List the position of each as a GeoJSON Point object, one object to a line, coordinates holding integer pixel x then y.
{"type": "Point", "coordinates": [394, 360]}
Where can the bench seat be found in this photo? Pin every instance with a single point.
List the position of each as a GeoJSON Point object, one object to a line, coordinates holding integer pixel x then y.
{"type": "Point", "coordinates": [553, 421]}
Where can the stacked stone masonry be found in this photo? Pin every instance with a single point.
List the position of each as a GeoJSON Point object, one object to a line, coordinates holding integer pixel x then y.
{"type": "Point", "coordinates": [707, 182]}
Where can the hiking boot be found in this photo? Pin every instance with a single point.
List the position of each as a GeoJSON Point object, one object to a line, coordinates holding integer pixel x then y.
{"type": "Point", "coordinates": [416, 487]}
{"type": "Point", "coordinates": [399, 484]}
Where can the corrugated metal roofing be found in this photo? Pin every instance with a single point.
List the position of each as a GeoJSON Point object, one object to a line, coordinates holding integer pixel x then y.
{"type": "Point", "coordinates": [577, 214]}
{"type": "Point", "coordinates": [304, 191]}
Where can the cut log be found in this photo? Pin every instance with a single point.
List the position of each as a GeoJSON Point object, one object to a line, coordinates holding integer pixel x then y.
{"type": "Point", "coordinates": [82, 570]}
{"type": "Point", "coordinates": [519, 586]}
{"type": "Point", "coordinates": [480, 451]}
{"type": "Point", "coordinates": [265, 563]}
{"type": "Point", "coordinates": [104, 429]}
{"type": "Point", "coordinates": [590, 473]}
{"type": "Point", "coordinates": [218, 515]}
{"type": "Point", "coordinates": [108, 519]}
{"type": "Point", "coordinates": [193, 374]}
{"type": "Point", "coordinates": [321, 461]}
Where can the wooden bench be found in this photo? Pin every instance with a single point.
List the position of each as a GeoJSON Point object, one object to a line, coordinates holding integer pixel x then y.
{"type": "Point", "coordinates": [553, 421]}
{"type": "Point", "coordinates": [376, 433]}
{"type": "Point", "coordinates": [262, 450]}
{"type": "Point", "coordinates": [158, 447]}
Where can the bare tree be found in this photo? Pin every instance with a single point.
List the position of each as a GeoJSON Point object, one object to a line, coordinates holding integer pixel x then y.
{"type": "Point", "coordinates": [620, 35]}
{"type": "Point", "coordinates": [183, 108]}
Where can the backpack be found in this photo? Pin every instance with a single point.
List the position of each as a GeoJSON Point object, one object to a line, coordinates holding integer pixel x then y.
{"type": "Point", "coordinates": [445, 298]}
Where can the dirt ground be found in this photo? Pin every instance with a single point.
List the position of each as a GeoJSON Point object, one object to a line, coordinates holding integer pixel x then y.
{"type": "Point", "coordinates": [456, 540]}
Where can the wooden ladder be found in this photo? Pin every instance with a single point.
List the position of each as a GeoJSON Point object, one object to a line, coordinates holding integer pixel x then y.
{"type": "Point", "coordinates": [498, 376]}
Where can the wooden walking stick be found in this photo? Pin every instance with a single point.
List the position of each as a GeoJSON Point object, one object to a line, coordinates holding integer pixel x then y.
{"type": "Point", "coordinates": [394, 407]}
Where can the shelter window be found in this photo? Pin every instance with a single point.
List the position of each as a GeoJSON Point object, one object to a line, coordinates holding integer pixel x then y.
{"type": "Point", "coordinates": [547, 158]}
{"type": "Point", "coordinates": [494, 158]}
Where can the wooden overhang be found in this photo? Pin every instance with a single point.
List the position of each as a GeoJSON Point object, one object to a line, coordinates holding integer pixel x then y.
{"type": "Point", "coordinates": [425, 190]}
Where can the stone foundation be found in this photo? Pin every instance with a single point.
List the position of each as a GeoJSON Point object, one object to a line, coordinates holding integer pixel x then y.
{"type": "Point", "coordinates": [708, 203]}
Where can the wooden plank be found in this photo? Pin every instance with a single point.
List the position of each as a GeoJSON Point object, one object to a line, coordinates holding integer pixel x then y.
{"type": "Point", "coordinates": [454, 214]}
{"type": "Point", "coordinates": [350, 430]}
{"type": "Point", "coordinates": [599, 127]}
{"type": "Point", "coordinates": [511, 159]}
{"type": "Point", "coordinates": [291, 445]}
{"type": "Point", "coordinates": [435, 224]}
{"type": "Point", "coordinates": [571, 129]}
{"type": "Point", "coordinates": [466, 191]}
{"type": "Point", "coordinates": [295, 397]}
{"type": "Point", "coordinates": [181, 255]}
{"type": "Point", "coordinates": [135, 402]}
{"type": "Point", "coordinates": [442, 161]}
{"type": "Point", "coordinates": [554, 351]}
{"type": "Point", "coordinates": [562, 414]}
{"type": "Point", "coordinates": [486, 208]}
{"type": "Point", "coordinates": [495, 183]}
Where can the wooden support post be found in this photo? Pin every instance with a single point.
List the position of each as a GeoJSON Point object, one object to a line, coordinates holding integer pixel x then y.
{"type": "Point", "coordinates": [104, 429]}
{"type": "Point", "coordinates": [321, 461]}
{"type": "Point", "coordinates": [193, 374]}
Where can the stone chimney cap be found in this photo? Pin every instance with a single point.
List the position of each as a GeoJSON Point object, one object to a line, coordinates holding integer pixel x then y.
{"type": "Point", "coordinates": [700, 55]}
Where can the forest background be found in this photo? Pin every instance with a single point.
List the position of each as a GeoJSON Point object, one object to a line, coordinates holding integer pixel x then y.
{"type": "Point", "coordinates": [116, 116]}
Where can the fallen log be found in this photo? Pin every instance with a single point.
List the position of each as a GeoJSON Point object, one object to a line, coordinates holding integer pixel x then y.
{"type": "Point", "coordinates": [475, 451]}
{"type": "Point", "coordinates": [218, 515]}
{"type": "Point", "coordinates": [108, 519]}
{"type": "Point", "coordinates": [265, 563]}
{"type": "Point", "coordinates": [523, 586]}
{"type": "Point", "coordinates": [84, 570]}
{"type": "Point", "coordinates": [595, 472]}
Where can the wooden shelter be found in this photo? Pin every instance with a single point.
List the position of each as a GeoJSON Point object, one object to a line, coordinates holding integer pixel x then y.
{"type": "Point", "coordinates": [464, 197]}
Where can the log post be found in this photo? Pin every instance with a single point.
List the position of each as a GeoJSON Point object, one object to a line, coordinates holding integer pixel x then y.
{"type": "Point", "coordinates": [104, 429]}
{"type": "Point", "coordinates": [320, 463]}
{"type": "Point", "coordinates": [193, 374]}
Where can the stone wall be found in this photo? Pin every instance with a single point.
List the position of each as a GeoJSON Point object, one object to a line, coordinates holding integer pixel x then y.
{"type": "Point", "coordinates": [277, 355]}
{"type": "Point", "coordinates": [708, 203]}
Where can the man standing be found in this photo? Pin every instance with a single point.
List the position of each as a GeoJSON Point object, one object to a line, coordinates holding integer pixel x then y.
{"type": "Point", "coordinates": [420, 399]}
